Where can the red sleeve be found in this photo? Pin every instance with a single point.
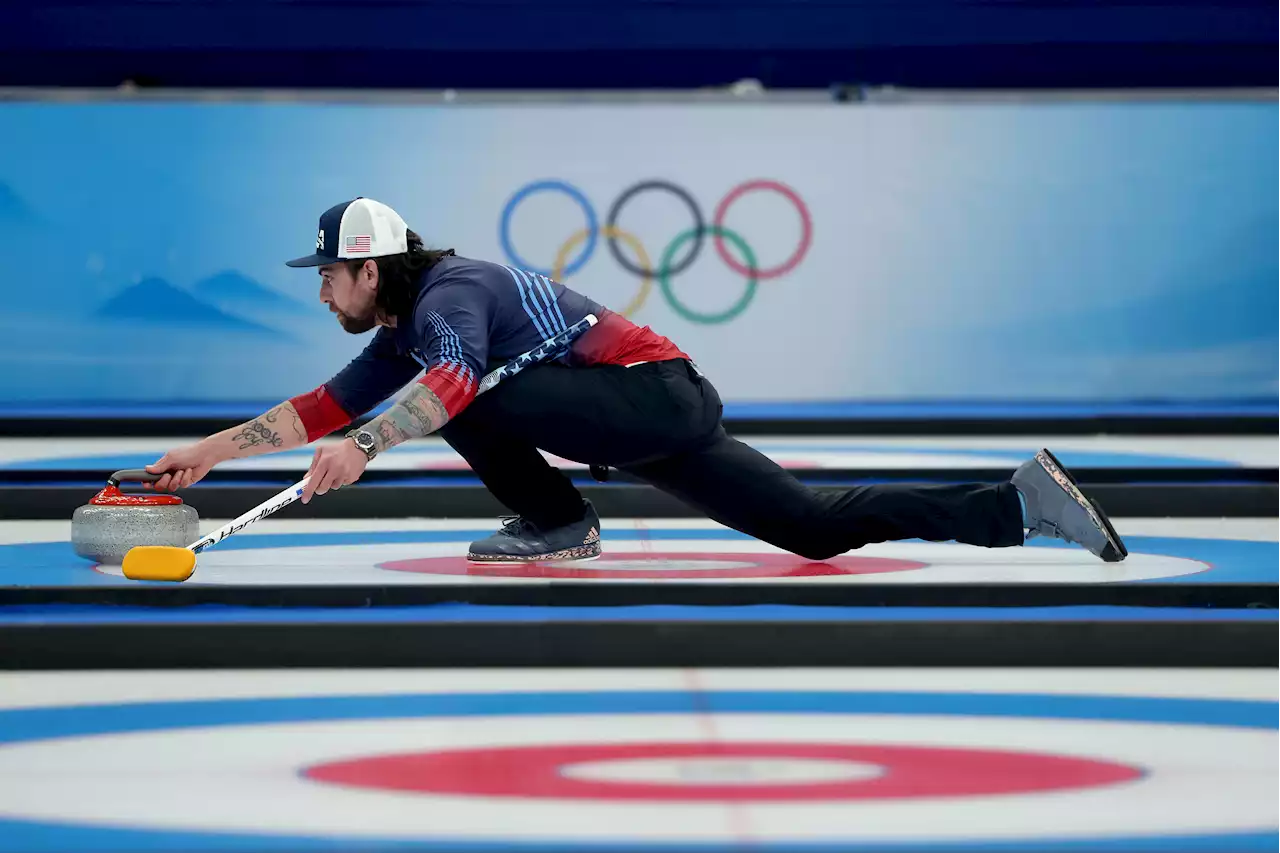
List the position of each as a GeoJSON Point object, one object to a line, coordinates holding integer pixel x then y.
{"type": "Point", "coordinates": [454, 386]}
{"type": "Point", "coordinates": [320, 413]}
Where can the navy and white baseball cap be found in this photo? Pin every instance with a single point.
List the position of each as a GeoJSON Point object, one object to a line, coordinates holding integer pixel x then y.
{"type": "Point", "coordinates": [360, 228]}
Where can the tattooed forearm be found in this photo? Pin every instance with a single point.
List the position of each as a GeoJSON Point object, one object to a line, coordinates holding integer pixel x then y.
{"type": "Point", "coordinates": [418, 413]}
{"type": "Point", "coordinates": [279, 428]}
{"type": "Point", "coordinates": [256, 433]}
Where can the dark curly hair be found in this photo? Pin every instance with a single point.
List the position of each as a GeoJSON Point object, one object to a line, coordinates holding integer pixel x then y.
{"type": "Point", "coordinates": [397, 274]}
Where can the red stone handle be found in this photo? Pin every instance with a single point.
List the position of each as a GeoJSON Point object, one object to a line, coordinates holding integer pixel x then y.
{"type": "Point", "coordinates": [132, 475]}
{"type": "Point", "coordinates": [112, 496]}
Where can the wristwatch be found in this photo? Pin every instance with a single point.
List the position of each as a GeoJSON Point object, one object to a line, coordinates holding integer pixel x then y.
{"type": "Point", "coordinates": [364, 441]}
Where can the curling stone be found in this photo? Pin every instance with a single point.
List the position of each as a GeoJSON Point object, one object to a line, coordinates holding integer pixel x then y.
{"type": "Point", "coordinates": [114, 521]}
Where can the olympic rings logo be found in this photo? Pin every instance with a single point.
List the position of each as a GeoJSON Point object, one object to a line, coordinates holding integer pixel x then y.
{"type": "Point", "coordinates": [672, 261]}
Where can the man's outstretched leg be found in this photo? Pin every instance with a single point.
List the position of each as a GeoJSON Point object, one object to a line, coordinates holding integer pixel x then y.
{"type": "Point", "coordinates": [741, 488]}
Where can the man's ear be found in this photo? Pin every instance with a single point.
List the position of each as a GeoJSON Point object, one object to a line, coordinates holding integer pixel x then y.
{"type": "Point", "coordinates": [369, 275]}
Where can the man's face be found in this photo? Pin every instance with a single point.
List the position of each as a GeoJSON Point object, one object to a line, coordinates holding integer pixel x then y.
{"type": "Point", "coordinates": [350, 297]}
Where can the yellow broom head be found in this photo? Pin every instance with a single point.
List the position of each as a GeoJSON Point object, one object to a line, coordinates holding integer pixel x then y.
{"type": "Point", "coordinates": [159, 563]}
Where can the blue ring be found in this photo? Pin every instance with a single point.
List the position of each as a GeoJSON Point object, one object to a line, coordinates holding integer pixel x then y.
{"type": "Point", "coordinates": [593, 226]}
{"type": "Point", "coordinates": [28, 724]}
{"type": "Point", "coordinates": [44, 723]}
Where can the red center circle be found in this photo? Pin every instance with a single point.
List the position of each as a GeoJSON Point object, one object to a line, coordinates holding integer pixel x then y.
{"type": "Point", "coordinates": [757, 566]}
{"type": "Point", "coordinates": [907, 772]}
{"type": "Point", "coordinates": [806, 229]}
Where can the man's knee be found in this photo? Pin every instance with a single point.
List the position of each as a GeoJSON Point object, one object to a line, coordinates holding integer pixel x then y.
{"type": "Point", "coordinates": [810, 544]}
{"type": "Point", "coordinates": [819, 552]}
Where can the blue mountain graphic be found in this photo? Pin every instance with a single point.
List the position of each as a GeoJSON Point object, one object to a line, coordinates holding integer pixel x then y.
{"type": "Point", "coordinates": [233, 288]}
{"type": "Point", "coordinates": [154, 300]}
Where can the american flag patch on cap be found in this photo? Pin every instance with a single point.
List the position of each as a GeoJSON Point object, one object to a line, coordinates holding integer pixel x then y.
{"type": "Point", "coordinates": [359, 243]}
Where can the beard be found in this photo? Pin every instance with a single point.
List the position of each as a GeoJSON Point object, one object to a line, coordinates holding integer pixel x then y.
{"type": "Point", "coordinates": [357, 325]}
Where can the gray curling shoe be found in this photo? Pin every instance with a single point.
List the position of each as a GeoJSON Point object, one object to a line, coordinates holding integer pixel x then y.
{"type": "Point", "coordinates": [1058, 509]}
{"type": "Point", "coordinates": [520, 541]}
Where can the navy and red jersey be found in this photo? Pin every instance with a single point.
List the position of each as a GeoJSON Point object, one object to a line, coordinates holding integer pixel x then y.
{"type": "Point", "coordinates": [470, 317]}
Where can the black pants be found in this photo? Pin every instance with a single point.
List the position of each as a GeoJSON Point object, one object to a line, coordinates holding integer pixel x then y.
{"type": "Point", "coordinates": [661, 423]}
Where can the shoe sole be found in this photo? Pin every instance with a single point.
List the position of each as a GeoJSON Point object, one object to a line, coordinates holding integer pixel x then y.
{"type": "Point", "coordinates": [582, 552]}
{"type": "Point", "coordinates": [1115, 551]}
